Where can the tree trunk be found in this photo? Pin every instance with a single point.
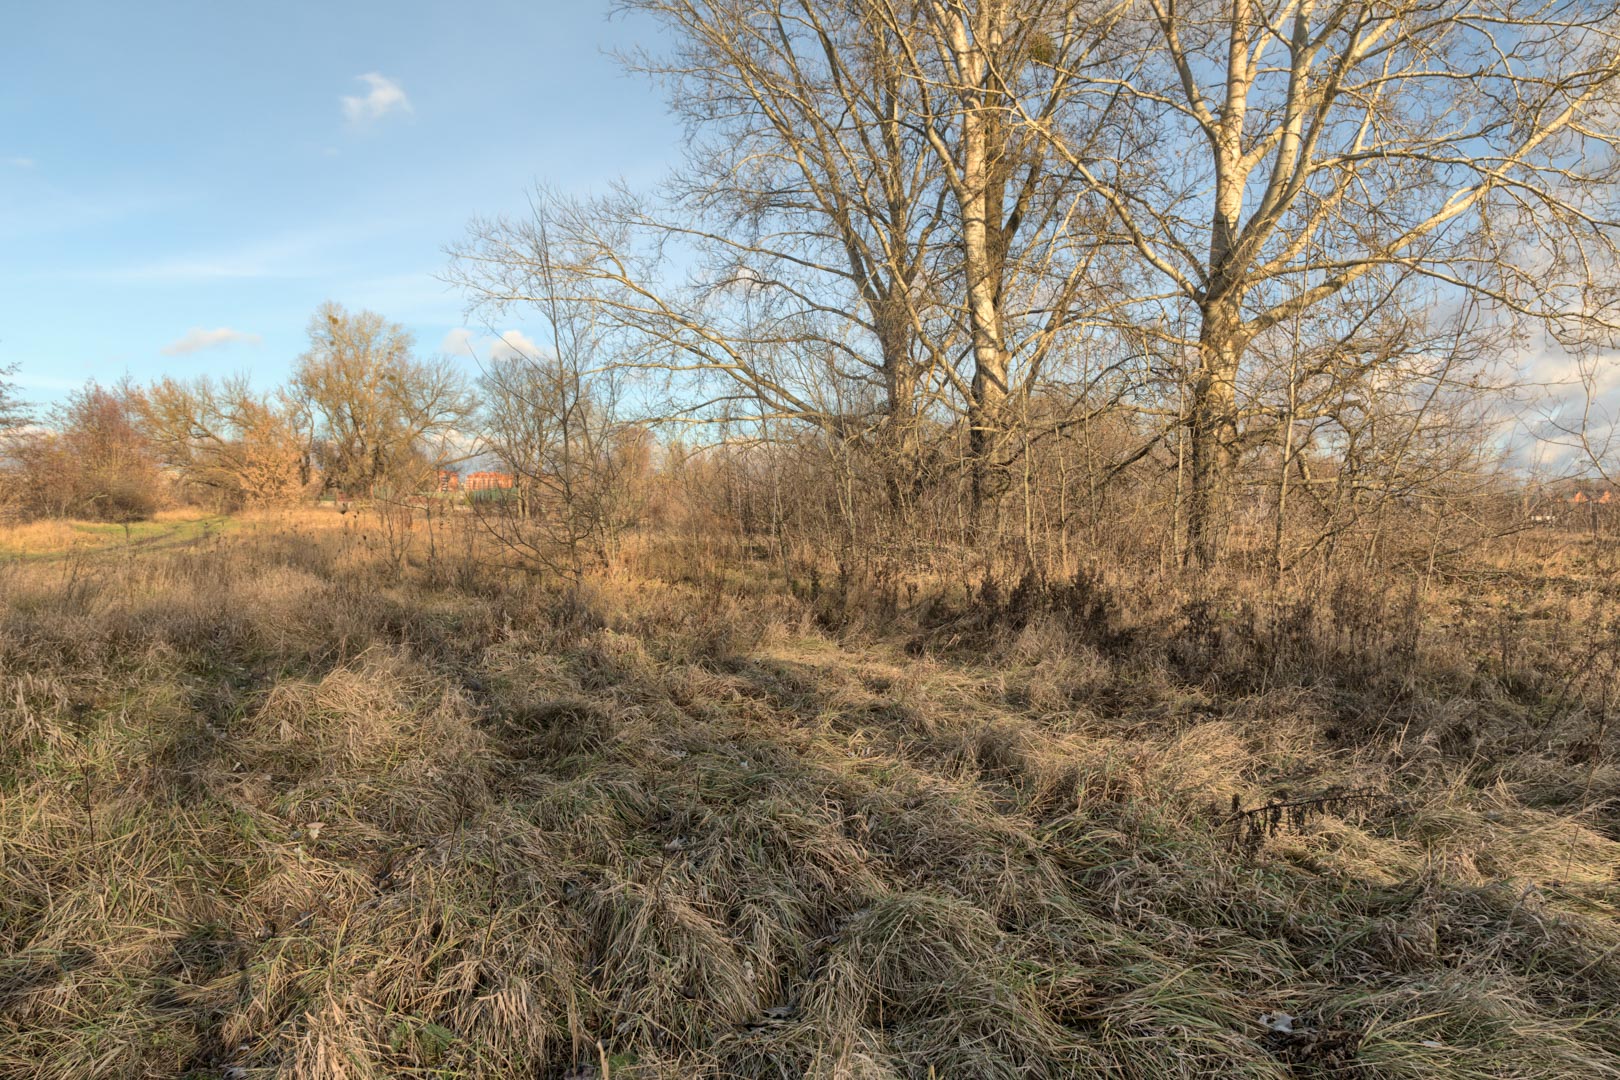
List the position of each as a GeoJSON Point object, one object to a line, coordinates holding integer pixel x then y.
{"type": "Point", "coordinates": [899, 448]}
{"type": "Point", "coordinates": [982, 197]}
{"type": "Point", "coordinates": [1212, 423]}
{"type": "Point", "coordinates": [1213, 414]}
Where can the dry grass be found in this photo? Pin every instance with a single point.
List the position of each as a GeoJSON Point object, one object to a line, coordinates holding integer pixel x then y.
{"type": "Point", "coordinates": [55, 538]}
{"type": "Point", "coordinates": [270, 807]}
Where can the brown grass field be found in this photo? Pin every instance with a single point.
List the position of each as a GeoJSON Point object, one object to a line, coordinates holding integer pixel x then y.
{"type": "Point", "coordinates": [272, 806]}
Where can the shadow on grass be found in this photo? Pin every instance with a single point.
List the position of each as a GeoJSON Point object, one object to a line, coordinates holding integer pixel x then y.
{"type": "Point", "coordinates": [416, 832]}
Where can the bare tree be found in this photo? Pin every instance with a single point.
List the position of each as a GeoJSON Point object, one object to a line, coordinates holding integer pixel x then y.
{"type": "Point", "coordinates": [13, 411]}
{"type": "Point", "coordinates": [89, 458]}
{"type": "Point", "coordinates": [870, 246]}
{"type": "Point", "coordinates": [385, 420]}
{"type": "Point", "coordinates": [14, 419]}
{"type": "Point", "coordinates": [1304, 146]}
{"type": "Point", "coordinates": [815, 196]}
{"type": "Point", "coordinates": [1030, 276]}
{"type": "Point", "coordinates": [1374, 415]}
{"type": "Point", "coordinates": [553, 419]}
{"type": "Point", "coordinates": [805, 218]}
{"type": "Point", "coordinates": [244, 446]}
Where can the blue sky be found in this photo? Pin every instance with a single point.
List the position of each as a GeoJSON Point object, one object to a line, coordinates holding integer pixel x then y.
{"type": "Point", "coordinates": [181, 184]}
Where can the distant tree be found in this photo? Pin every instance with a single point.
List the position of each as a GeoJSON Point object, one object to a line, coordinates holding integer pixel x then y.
{"type": "Point", "coordinates": [89, 459]}
{"type": "Point", "coordinates": [13, 418]}
{"type": "Point", "coordinates": [382, 418]}
{"type": "Point", "coordinates": [553, 419]}
{"type": "Point", "coordinates": [246, 448]}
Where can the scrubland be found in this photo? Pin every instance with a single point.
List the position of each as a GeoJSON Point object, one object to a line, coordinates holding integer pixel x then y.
{"type": "Point", "coordinates": [273, 804]}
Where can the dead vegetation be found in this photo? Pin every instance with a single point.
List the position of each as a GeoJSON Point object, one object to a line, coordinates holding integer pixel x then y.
{"type": "Point", "coordinates": [269, 807]}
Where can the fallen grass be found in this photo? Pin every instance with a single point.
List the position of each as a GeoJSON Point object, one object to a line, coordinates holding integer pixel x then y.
{"type": "Point", "coordinates": [270, 808]}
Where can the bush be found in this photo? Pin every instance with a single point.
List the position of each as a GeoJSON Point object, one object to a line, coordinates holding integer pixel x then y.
{"type": "Point", "coordinates": [90, 461]}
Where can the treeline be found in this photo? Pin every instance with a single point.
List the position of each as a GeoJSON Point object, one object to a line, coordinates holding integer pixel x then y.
{"type": "Point", "coordinates": [364, 419]}
{"type": "Point", "coordinates": [362, 415]}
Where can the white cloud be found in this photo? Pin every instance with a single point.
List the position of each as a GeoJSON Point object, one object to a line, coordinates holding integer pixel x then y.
{"type": "Point", "coordinates": [1568, 404]}
{"type": "Point", "coordinates": [511, 345]}
{"type": "Point", "coordinates": [187, 269]}
{"type": "Point", "coordinates": [507, 345]}
{"type": "Point", "coordinates": [20, 162]}
{"type": "Point", "coordinates": [458, 342]}
{"type": "Point", "coordinates": [384, 97]}
{"type": "Point", "coordinates": [197, 339]}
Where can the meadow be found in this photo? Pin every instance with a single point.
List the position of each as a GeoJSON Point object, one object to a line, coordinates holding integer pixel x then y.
{"type": "Point", "coordinates": [59, 538]}
{"type": "Point", "coordinates": [276, 802]}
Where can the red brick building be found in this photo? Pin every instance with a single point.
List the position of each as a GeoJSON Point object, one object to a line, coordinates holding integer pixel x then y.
{"type": "Point", "coordinates": [487, 481]}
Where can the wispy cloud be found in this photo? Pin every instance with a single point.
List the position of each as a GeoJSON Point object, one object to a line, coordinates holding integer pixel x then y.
{"type": "Point", "coordinates": [197, 339]}
{"type": "Point", "coordinates": [47, 382]}
{"type": "Point", "coordinates": [20, 162]}
{"type": "Point", "coordinates": [384, 96]}
{"type": "Point", "coordinates": [506, 345]}
{"type": "Point", "coordinates": [314, 253]}
{"type": "Point", "coordinates": [1568, 408]}
{"type": "Point", "coordinates": [187, 269]}
{"type": "Point", "coordinates": [47, 210]}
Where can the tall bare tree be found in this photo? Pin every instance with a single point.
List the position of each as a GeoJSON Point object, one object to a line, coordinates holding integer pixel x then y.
{"type": "Point", "coordinates": [870, 246]}
{"type": "Point", "coordinates": [1029, 274]}
{"type": "Point", "coordinates": [804, 218]}
{"type": "Point", "coordinates": [1305, 145]}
